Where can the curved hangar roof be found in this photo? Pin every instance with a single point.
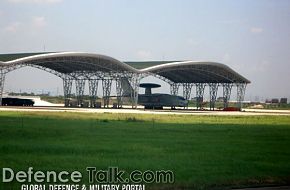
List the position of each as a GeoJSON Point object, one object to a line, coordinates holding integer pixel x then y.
{"type": "Point", "coordinates": [179, 72]}
{"type": "Point", "coordinates": [69, 62]}
{"type": "Point", "coordinates": [197, 72]}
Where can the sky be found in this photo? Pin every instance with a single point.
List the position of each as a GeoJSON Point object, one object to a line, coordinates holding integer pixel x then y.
{"type": "Point", "coordinates": [251, 37]}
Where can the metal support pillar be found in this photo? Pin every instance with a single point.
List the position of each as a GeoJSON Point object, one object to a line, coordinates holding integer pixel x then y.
{"type": "Point", "coordinates": [227, 88]}
{"type": "Point", "coordinates": [107, 84]}
{"type": "Point", "coordinates": [80, 87]}
{"type": "Point", "coordinates": [241, 89]}
{"type": "Point", "coordinates": [119, 91]}
{"type": "Point", "coordinates": [93, 89]}
{"type": "Point", "coordinates": [2, 79]}
{"type": "Point", "coordinates": [174, 88]}
{"type": "Point", "coordinates": [134, 82]}
{"type": "Point", "coordinates": [199, 94]}
{"type": "Point", "coordinates": [187, 91]}
{"type": "Point", "coordinates": [67, 85]}
{"type": "Point", "coordinates": [213, 89]}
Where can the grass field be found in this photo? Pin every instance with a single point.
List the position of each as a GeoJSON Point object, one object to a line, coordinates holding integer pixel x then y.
{"type": "Point", "coordinates": [204, 152]}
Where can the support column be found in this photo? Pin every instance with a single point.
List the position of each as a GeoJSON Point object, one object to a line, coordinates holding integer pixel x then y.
{"type": "Point", "coordinates": [107, 84]}
{"type": "Point", "coordinates": [80, 87]}
{"type": "Point", "coordinates": [187, 91]}
{"type": "Point", "coordinates": [174, 88]}
{"type": "Point", "coordinates": [227, 88]}
{"type": "Point", "coordinates": [241, 89]}
{"type": "Point", "coordinates": [67, 85]}
{"type": "Point", "coordinates": [199, 94]}
{"type": "Point", "coordinates": [119, 91]}
{"type": "Point", "coordinates": [213, 88]}
{"type": "Point", "coordinates": [2, 79]}
{"type": "Point", "coordinates": [134, 82]}
{"type": "Point", "coordinates": [93, 89]}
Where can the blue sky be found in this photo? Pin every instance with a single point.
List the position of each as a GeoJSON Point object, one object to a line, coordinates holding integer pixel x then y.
{"type": "Point", "coordinates": [252, 37]}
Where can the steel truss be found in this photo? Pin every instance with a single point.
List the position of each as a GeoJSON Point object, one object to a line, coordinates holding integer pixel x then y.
{"type": "Point", "coordinates": [80, 87]}
{"type": "Point", "coordinates": [61, 75]}
{"type": "Point", "coordinates": [213, 89]}
{"type": "Point", "coordinates": [106, 84]}
{"type": "Point", "coordinates": [134, 81]}
{"type": "Point", "coordinates": [227, 88]}
{"type": "Point", "coordinates": [174, 88]}
{"type": "Point", "coordinates": [119, 91]}
{"type": "Point", "coordinates": [187, 90]}
{"type": "Point", "coordinates": [67, 87]}
{"type": "Point", "coordinates": [93, 89]}
{"type": "Point", "coordinates": [93, 70]}
{"type": "Point", "coordinates": [199, 94]}
{"type": "Point", "coordinates": [158, 76]}
{"type": "Point", "coordinates": [2, 80]}
{"type": "Point", "coordinates": [241, 89]}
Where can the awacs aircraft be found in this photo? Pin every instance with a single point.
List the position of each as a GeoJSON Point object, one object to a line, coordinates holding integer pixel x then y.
{"type": "Point", "coordinates": [156, 100]}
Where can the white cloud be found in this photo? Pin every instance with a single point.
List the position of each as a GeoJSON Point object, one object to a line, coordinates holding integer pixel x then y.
{"type": "Point", "coordinates": [226, 57]}
{"type": "Point", "coordinates": [33, 25]}
{"type": "Point", "coordinates": [39, 22]}
{"type": "Point", "coordinates": [229, 21]}
{"type": "Point", "coordinates": [261, 66]}
{"type": "Point", "coordinates": [192, 42]}
{"type": "Point", "coordinates": [12, 27]}
{"type": "Point", "coordinates": [144, 54]}
{"type": "Point", "coordinates": [256, 30]}
{"type": "Point", "coordinates": [35, 1]}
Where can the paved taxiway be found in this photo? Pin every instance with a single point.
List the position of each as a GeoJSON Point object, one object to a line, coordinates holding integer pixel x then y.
{"type": "Point", "coordinates": [143, 111]}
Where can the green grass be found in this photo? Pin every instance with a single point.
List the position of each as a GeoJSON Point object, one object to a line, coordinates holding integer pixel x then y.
{"type": "Point", "coordinates": [204, 152]}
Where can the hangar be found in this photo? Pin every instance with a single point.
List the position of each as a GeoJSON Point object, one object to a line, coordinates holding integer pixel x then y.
{"type": "Point", "coordinates": [80, 68]}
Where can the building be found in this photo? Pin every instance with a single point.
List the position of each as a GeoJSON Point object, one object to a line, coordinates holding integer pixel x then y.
{"type": "Point", "coordinates": [94, 68]}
